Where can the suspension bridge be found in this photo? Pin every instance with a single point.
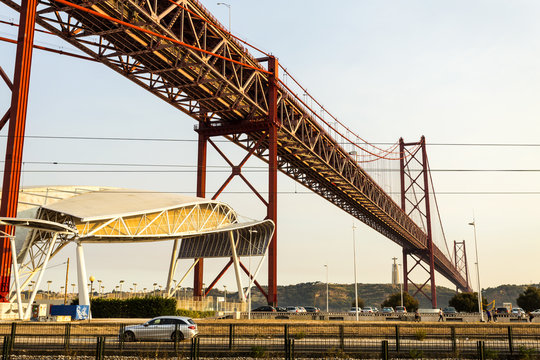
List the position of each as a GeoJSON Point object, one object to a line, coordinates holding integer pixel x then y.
{"type": "Point", "coordinates": [179, 52]}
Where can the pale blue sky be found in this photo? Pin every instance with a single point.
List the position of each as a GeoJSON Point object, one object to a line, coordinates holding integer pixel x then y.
{"type": "Point", "coordinates": [454, 71]}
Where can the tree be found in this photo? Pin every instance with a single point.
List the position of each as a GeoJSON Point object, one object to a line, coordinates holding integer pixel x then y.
{"type": "Point", "coordinates": [529, 300]}
{"type": "Point", "coordinates": [395, 300]}
{"type": "Point", "coordinates": [466, 302]}
{"type": "Point", "coordinates": [360, 303]}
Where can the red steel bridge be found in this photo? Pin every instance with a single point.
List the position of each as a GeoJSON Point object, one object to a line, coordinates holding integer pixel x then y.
{"type": "Point", "coordinates": [178, 51]}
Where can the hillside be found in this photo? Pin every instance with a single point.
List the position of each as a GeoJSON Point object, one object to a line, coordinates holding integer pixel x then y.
{"type": "Point", "coordinates": [341, 296]}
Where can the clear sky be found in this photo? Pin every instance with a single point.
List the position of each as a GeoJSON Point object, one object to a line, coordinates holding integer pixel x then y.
{"type": "Point", "coordinates": [458, 72]}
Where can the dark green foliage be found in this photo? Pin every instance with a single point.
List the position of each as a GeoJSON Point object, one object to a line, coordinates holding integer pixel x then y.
{"type": "Point", "coordinates": [360, 303]}
{"type": "Point", "coordinates": [395, 300]}
{"type": "Point", "coordinates": [194, 314]}
{"type": "Point", "coordinates": [529, 300]}
{"type": "Point", "coordinates": [466, 302]}
{"type": "Point", "coordinates": [138, 307]}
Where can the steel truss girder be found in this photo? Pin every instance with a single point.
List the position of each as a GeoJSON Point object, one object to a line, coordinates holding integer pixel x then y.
{"type": "Point", "coordinates": [228, 94]}
{"type": "Point", "coordinates": [139, 56]}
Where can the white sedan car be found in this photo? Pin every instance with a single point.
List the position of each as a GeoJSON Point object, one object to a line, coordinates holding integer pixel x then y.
{"type": "Point", "coordinates": [162, 328]}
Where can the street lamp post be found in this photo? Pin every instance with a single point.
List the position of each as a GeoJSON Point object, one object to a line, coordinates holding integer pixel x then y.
{"type": "Point", "coordinates": [92, 286]}
{"type": "Point", "coordinates": [228, 7]}
{"type": "Point", "coordinates": [121, 293]}
{"type": "Point", "coordinates": [355, 283]}
{"type": "Point", "coordinates": [251, 231]}
{"type": "Point", "coordinates": [49, 289]}
{"type": "Point", "coordinates": [480, 309]}
{"type": "Point", "coordinates": [400, 286]}
{"type": "Point", "coordinates": [326, 266]}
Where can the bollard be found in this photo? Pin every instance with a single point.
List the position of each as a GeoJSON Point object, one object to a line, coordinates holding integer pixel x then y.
{"type": "Point", "coordinates": [176, 337]}
{"type": "Point", "coordinates": [341, 337]}
{"type": "Point", "coordinates": [6, 347]}
{"type": "Point", "coordinates": [67, 335]}
{"type": "Point", "coordinates": [286, 338]}
{"type": "Point", "coordinates": [100, 347]}
{"type": "Point", "coordinates": [510, 340]}
{"type": "Point", "coordinates": [397, 338]}
{"type": "Point", "coordinates": [454, 342]}
{"type": "Point", "coordinates": [384, 350]}
{"type": "Point", "coordinates": [194, 353]}
{"type": "Point", "coordinates": [121, 339]}
{"type": "Point", "coordinates": [231, 336]}
{"type": "Point", "coordinates": [291, 351]}
{"type": "Point", "coordinates": [12, 337]}
{"type": "Point", "coordinates": [480, 350]}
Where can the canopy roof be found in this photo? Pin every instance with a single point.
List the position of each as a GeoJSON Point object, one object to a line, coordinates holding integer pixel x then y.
{"type": "Point", "coordinates": [111, 203]}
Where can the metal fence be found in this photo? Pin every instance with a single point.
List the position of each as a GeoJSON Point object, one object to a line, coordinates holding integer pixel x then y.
{"type": "Point", "coordinates": [281, 340]}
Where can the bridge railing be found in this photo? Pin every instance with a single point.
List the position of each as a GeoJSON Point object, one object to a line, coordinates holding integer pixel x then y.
{"type": "Point", "coordinates": [329, 339]}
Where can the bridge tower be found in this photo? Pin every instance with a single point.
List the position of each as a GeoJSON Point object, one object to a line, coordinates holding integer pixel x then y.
{"type": "Point", "coordinates": [17, 123]}
{"type": "Point", "coordinates": [460, 258]}
{"type": "Point", "coordinates": [414, 178]}
{"type": "Point", "coordinates": [260, 138]}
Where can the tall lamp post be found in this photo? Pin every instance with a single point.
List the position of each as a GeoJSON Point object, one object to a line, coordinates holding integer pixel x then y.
{"type": "Point", "coordinates": [228, 7]}
{"type": "Point", "coordinates": [355, 283]}
{"type": "Point", "coordinates": [326, 266]}
{"type": "Point", "coordinates": [473, 224]}
{"type": "Point", "coordinates": [251, 231]}
{"type": "Point", "coordinates": [92, 286]}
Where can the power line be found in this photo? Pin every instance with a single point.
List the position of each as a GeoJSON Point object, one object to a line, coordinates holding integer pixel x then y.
{"type": "Point", "coordinates": [286, 192]}
{"type": "Point", "coordinates": [117, 138]}
{"type": "Point", "coordinates": [187, 168]}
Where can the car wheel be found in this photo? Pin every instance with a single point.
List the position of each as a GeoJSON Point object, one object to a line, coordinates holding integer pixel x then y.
{"type": "Point", "coordinates": [177, 336]}
{"type": "Point", "coordinates": [129, 336]}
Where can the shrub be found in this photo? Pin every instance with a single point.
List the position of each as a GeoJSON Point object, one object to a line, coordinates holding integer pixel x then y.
{"type": "Point", "coordinates": [420, 334]}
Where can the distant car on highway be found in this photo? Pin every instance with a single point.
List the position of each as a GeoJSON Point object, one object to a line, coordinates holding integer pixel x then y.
{"type": "Point", "coordinates": [518, 311]}
{"type": "Point", "coordinates": [536, 312]}
{"type": "Point", "coordinates": [387, 310]}
{"type": "Point", "coordinates": [353, 310]}
{"type": "Point", "coordinates": [367, 310]}
{"type": "Point", "coordinates": [502, 310]}
{"type": "Point", "coordinates": [312, 309]}
{"type": "Point", "coordinates": [281, 309]}
{"type": "Point", "coordinates": [401, 309]}
{"type": "Point", "coordinates": [265, 308]}
{"type": "Point", "coordinates": [162, 328]}
{"type": "Point", "coordinates": [449, 310]}
{"type": "Point", "coordinates": [293, 309]}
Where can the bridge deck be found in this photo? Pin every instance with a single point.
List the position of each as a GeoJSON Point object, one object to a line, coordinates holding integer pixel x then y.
{"type": "Point", "coordinates": [155, 44]}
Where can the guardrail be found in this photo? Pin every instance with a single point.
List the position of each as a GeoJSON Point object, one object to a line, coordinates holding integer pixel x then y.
{"type": "Point", "coordinates": [345, 316]}
{"type": "Point", "coordinates": [288, 339]}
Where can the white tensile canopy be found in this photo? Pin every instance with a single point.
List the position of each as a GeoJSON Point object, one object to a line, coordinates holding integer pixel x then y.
{"type": "Point", "coordinates": [199, 227]}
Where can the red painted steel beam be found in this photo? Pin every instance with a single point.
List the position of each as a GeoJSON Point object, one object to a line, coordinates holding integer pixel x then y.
{"type": "Point", "coordinates": [223, 271]}
{"type": "Point", "coordinates": [428, 224]}
{"type": "Point", "coordinates": [201, 192]}
{"type": "Point", "coordinates": [273, 118]}
{"type": "Point", "coordinates": [6, 79]}
{"type": "Point", "coordinates": [15, 141]}
{"type": "Point", "coordinates": [5, 119]}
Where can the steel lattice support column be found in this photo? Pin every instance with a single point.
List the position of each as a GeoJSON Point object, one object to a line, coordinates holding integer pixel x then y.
{"type": "Point", "coordinates": [460, 258]}
{"type": "Point", "coordinates": [414, 179]}
{"type": "Point", "coordinates": [15, 141]}
{"type": "Point", "coordinates": [272, 177]}
{"type": "Point", "coordinates": [201, 192]}
{"type": "Point", "coordinates": [261, 138]}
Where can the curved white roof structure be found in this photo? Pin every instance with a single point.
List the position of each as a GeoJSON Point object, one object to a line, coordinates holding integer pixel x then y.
{"type": "Point", "coordinates": [207, 228]}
